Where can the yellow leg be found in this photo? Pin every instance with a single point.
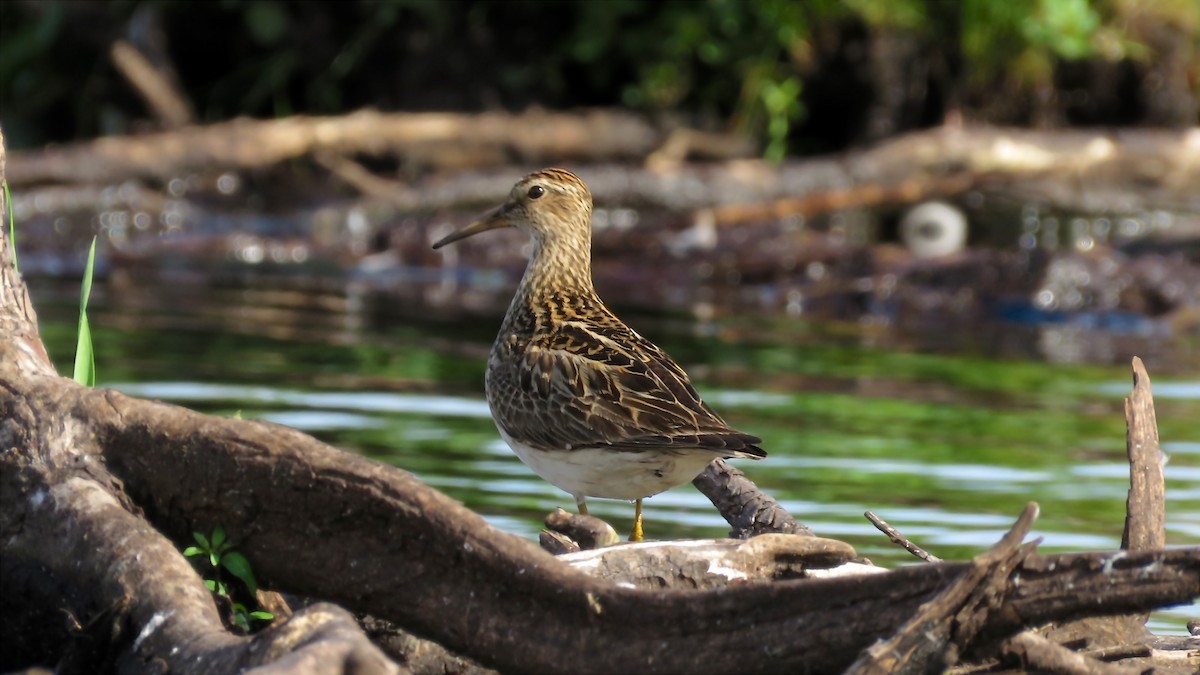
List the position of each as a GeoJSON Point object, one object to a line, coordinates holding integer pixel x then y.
{"type": "Point", "coordinates": [582, 506]}
{"type": "Point", "coordinates": [636, 535]}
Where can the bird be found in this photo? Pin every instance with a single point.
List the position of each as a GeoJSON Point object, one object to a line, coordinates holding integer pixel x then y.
{"type": "Point", "coordinates": [581, 398]}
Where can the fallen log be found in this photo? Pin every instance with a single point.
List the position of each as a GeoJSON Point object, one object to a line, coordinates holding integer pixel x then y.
{"type": "Point", "coordinates": [1078, 170]}
{"type": "Point", "coordinates": [440, 140]}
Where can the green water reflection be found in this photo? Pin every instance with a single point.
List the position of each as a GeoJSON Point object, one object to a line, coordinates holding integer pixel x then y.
{"type": "Point", "coordinates": [946, 448]}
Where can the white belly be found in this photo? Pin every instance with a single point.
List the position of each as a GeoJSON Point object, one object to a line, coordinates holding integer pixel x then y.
{"type": "Point", "coordinates": [612, 474]}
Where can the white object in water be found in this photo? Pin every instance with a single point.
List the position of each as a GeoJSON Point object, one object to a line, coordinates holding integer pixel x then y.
{"type": "Point", "coordinates": [934, 229]}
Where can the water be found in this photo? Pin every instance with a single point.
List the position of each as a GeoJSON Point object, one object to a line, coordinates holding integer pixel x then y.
{"type": "Point", "coordinates": [947, 447]}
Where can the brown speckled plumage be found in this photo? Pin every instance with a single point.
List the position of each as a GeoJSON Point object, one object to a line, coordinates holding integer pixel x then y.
{"type": "Point", "coordinates": [570, 385]}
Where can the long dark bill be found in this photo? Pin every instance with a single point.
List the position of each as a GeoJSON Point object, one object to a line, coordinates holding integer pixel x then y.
{"type": "Point", "coordinates": [493, 220]}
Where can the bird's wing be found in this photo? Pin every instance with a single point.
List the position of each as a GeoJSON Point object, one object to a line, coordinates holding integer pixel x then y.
{"type": "Point", "coordinates": [605, 385]}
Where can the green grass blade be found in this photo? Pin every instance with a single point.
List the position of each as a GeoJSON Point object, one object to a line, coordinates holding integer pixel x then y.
{"type": "Point", "coordinates": [12, 226]}
{"type": "Point", "coordinates": [85, 358]}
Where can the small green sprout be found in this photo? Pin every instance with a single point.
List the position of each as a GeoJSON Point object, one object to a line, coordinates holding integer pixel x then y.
{"type": "Point", "coordinates": [218, 550]}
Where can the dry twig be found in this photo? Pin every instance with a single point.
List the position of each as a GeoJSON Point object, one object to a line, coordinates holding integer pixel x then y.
{"type": "Point", "coordinates": [899, 539]}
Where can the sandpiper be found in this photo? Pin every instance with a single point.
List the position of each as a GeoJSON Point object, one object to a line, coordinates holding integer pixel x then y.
{"type": "Point", "coordinates": [582, 399]}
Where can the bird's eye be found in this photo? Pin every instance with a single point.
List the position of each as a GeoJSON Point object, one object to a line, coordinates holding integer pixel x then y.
{"type": "Point", "coordinates": [536, 191]}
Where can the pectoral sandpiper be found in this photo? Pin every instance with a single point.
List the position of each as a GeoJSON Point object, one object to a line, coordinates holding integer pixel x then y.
{"type": "Point", "coordinates": [582, 399]}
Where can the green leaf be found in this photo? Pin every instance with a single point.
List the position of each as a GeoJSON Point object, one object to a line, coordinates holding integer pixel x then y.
{"type": "Point", "coordinates": [214, 558]}
{"type": "Point", "coordinates": [212, 585]}
{"type": "Point", "coordinates": [202, 540]}
{"type": "Point", "coordinates": [218, 537]}
{"type": "Point", "coordinates": [239, 567]}
{"type": "Point", "coordinates": [85, 357]}
{"type": "Point", "coordinates": [192, 551]}
{"type": "Point", "coordinates": [262, 616]}
{"type": "Point", "coordinates": [12, 226]}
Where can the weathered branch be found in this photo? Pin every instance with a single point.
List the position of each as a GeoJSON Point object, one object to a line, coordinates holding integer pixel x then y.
{"type": "Point", "coordinates": [1078, 170]}
{"type": "Point", "coordinates": [167, 103]}
{"type": "Point", "coordinates": [749, 510]}
{"type": "Point", "coordinates": [716, 563]}
{"type": "Point", "coordinates": [1146, 506]}
{"type": "Point", "coordinates": [1145, 514]}
{"type": "Point", "coordinates": [438, 139]}
{"type": "Point", "coordinates": [951, 621]}
{"type": "Point", "coordinates": [582, 532]}
{"type": "Point", "coordinates": [1039, 653]}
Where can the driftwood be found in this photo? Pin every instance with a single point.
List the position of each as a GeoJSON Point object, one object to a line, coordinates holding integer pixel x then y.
{"type": "Point", "coordinates": [1145, 519]}
{"type": "Point", "coordinates": [747, 509]}
{"type": "Point", "coordinates": [1083, 171]}
{"type": "Point", "coordinates": [168, 104]}
{"type": "Point", "coordinates": [692, 224]}
{"type": "Point", "coordinates": [1146, 507]}
{"type": "Point", "coordinates": [717, 563]}
{"type": "Point", "coordinates": [443, 140]}
{"type": "Point", "coordinates": [98, 491]}
{"type": "Point", "coordinates": [956, 615]}
{"type": "Point", "coordinates": [1042, 654]}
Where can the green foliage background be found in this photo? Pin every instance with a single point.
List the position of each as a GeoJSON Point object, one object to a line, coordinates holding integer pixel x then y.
{"type": "Point", "coordinates": [766, 67]}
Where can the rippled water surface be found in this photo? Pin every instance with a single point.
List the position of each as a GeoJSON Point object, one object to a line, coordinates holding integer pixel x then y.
{"type": "Point", "coordinates": [948, 448]}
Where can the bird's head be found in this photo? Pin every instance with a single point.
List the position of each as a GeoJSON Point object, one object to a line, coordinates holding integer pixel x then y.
{"type": "Point", "coordinates": [549, 205]}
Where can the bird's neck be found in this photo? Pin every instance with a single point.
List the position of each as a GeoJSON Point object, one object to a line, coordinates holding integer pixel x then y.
{"type": "Point", "coordinates": [559, 273]}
